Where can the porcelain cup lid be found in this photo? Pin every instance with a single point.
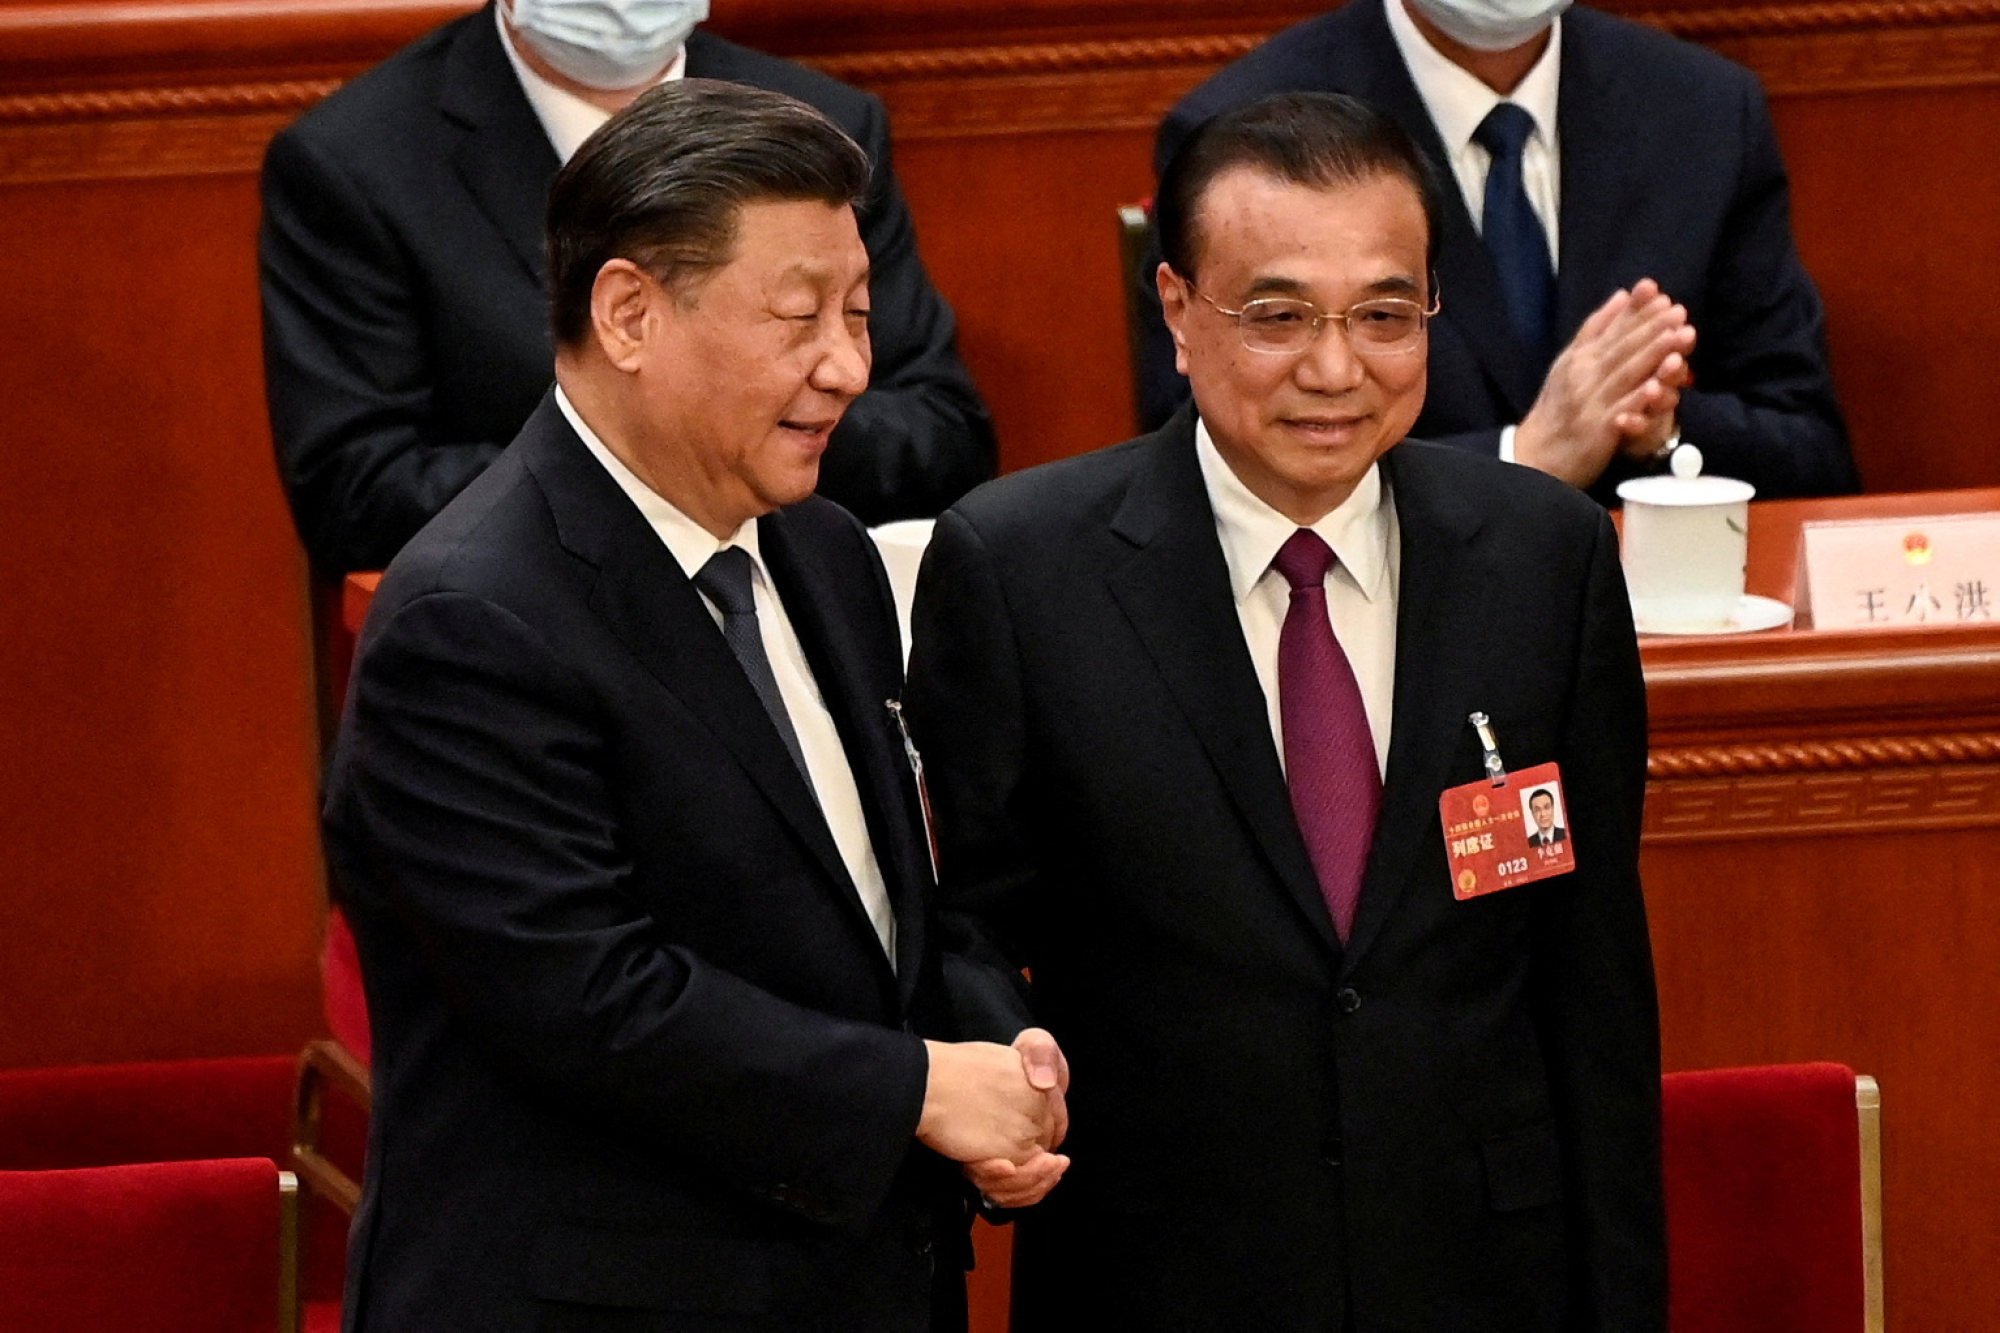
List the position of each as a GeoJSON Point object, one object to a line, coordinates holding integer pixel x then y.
{"type": "Point", "coordinates": [1684, 487]}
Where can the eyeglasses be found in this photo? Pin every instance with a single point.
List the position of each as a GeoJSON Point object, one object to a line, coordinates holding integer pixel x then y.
{"type": "Point", "coordinates": [1281, 325]}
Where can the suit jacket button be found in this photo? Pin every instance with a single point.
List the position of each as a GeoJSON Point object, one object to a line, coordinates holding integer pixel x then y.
{"type": "Point", "coordinates": [1347, 999]}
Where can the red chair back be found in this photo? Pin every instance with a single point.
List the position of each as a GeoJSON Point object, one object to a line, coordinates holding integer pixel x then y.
{"type": "Point", "coordinates": [175, 1110]}
{"type": "Point", "coordinates": [170, 1247]}
{"type": "Point", "coordinates": [169, 1110]}
{"type": "Point", "coordinates": [341, 996]}
{"type": "Point", "coordinates": [1764, 1184]}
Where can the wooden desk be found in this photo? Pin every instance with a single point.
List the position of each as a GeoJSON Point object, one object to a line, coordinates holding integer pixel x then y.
{"type": "Point", "coordinates": [1823, 878]}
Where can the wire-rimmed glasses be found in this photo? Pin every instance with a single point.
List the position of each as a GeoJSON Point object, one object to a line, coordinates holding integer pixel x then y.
{"type": "Point", "coordinates": [1283, 325]}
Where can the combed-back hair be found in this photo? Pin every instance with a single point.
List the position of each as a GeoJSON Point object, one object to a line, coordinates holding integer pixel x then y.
{"type": "Point", "coordinates": [663, 181]}
{"type": "Point", "coordinates": [1316, 139]}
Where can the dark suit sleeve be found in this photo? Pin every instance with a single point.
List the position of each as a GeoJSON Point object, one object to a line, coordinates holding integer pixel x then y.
{"type": "Point", "coordinates": [1762, 406]}
{"type": "Point", "coordinates": [1485, 442]}
{"type": "Point", "coordinates": [476, 791]}
{"type": "Point", "coordinates": [920, 437]}
{"type": "Point", "coordinates": [345, 372]}
{"type": "Point", "coordinates": [967, 711]}
{"type": "Point", "coordinates": [1592, 981]}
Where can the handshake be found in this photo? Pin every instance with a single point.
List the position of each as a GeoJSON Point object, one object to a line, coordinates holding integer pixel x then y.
{"type": "Point", "coordinates": [998, 1111]}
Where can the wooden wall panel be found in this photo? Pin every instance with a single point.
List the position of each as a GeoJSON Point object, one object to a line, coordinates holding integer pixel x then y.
{"type": "Point", "coordinates": [1038, 286]}
{"type": "Point", "coordinates": [158, 885]}
{"type": "Point", "coordinates": [1897, 206]}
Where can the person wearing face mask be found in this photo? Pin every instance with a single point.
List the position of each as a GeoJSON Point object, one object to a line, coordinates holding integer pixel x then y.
{"type": "Point", "coordinates": [1617, 268]}
{"type": "Point", "coordinates": [405, 318]}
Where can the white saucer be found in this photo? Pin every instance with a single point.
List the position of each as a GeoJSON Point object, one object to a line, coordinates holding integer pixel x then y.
{"type": "Point", "coordinates": [1752, 614]}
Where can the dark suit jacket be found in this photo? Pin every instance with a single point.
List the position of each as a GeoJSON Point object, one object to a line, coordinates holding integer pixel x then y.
{"type": "Point", "coordinates": [1556, 834]}
{"type": "Point", "coordinates": [640, 1060]}
{"type": "Point", "coordinates": [405, 326]}
{"type": "Point", "coordinates": [1670, 170]}
{"type": "Point", "coordinates": [1452, 1123]}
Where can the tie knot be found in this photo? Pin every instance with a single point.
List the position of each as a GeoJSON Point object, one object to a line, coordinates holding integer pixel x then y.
{"type": "Point", "coordinates": [1505, 131]}
{"type": "Point", "coordinates": [1304, 559]}
{"type": "Point", "coordinates": [725, 579]}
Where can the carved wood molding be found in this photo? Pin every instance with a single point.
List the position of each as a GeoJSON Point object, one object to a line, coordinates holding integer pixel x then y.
{"type": "Point", "coordinates": [96, 123]}
{"type": "Point", "coordinates": [1887, 783]}
{"type": "Point", "coordinates": [1885, 800]}
{"type": "Point", "coordinates": [140, 148]}
{"type": "Point", "coordinates": [1768, 20]}
{"type": "Point", "coordinates": [1822, 756]}
{"type": "Point", "coordinates": [874, 68]}
{"type": "Point", "coordinates": [123, 103]}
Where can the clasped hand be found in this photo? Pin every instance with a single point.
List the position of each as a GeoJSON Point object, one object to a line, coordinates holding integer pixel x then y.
{"type": "Point", "coordinates": [1615, 388]}
{"type": "Point", "coordinates": [999, 1111]}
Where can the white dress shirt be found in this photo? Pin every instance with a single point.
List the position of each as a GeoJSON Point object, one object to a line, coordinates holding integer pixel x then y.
{"type": "Point", "coordinates": [826, 759]}
{"type": "Point", "coordinates": [567, 118]}
{"type": "Point", "coordinates": [1457, 102]}
{"type": "Point", "coordinates": [1360, 588]}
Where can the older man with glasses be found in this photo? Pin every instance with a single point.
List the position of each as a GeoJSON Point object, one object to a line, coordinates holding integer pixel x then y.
{"type": "Point", "coordinates": [1197, 712]}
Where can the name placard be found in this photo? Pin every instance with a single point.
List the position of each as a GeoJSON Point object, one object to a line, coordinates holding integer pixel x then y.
{"type": "Point", "coordinates": [1901, 573]}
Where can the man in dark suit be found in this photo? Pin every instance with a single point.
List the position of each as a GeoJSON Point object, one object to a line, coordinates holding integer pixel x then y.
{"type": "Point", "coordinates": [620, 812]}
{"type": "Point", "coordinates": [405, 312]}
{"type": "Point", "coordinates": [1616, 260]}
{"type": "Point", "coordinates": [1158, 689]}
{"type": "Point", "coordinates": [1547, 833]}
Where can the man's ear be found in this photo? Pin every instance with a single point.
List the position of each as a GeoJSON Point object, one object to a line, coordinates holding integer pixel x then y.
{"type": "Point", "coordinates": [1174, 301]}
{"type": "Point", "coordinates": [622, 301]}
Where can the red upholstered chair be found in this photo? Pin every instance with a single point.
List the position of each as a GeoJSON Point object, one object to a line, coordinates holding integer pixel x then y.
{"type": "Point", "coordinates": [1774, 1200]}
{"type": "Point", "coordinates": [339, 1065]}
{"type": "Point", "coordinates": [1135, 242]}
{"type": "Point", "coordinates": [163, 1247]}
{"type": "Point", "coordinates": [155, 1111]}
{"type": "Point", "coordinates": [174, 1110]}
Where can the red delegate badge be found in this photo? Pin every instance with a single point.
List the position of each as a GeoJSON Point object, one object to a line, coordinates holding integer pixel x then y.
{"type": "Point", "coordinates": [1497, 837]}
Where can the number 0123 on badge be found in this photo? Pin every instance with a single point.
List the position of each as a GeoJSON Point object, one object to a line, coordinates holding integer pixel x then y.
{"type": "Point", "coordinates": [1497, 836]}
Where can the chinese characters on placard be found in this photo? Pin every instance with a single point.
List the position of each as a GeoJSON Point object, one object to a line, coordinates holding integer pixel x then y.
{"type": "Point", "coordinates": [1971, 599]}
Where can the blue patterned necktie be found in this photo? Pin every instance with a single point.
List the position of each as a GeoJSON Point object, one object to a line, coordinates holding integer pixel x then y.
{"type": "Point", "coordinates": [725, 580]}
{"type": "Point", "coordinates": [1512, 232]}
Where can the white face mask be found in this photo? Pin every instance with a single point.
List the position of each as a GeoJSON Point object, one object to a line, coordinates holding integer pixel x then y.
{"type": "Point", "coordinates": [1490, 25]}
{"type": "Point", "coordinates": [610, 45]}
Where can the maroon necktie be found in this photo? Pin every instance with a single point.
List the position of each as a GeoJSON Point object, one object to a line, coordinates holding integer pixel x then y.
{"type": "Point", "coordinates": [1329, 751]}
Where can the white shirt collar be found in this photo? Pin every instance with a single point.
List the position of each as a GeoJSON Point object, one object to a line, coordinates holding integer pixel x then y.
{"type": "Point", "coordinates": [1456, 100]}
{"type": "Point", "coordinates": [688, 541]}
{"type": "Point", "coordinates": [1252, 531]}
{"type": "Point", "coordinates": [566, 118]}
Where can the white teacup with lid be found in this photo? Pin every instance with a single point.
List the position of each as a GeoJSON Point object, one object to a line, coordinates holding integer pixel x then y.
{"type": "Point", "coordinates": [1686, 546]}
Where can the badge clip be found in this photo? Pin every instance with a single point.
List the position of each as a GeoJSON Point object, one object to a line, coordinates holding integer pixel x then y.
{"type": "Point", "coordinates": [895, 707]}
{"type": "Point", "coordinates": [1496, 771]}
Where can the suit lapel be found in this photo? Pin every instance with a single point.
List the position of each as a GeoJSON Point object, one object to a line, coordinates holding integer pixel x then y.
{"type": "Point", "coordinates": [1175, 591]}
{"type": "Point", "coordinates": [1439, 603]}
{"type": "Point", "coordinates": [505, 161]}
{"type": "Point", "coordinates": [646, 599]}
{"type": "Point", "coordinates": [841, 668]}
{"type": "Point", "coordinates": [1594, 176]}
